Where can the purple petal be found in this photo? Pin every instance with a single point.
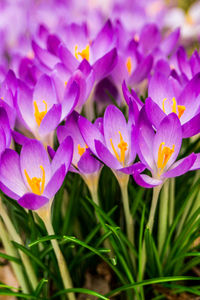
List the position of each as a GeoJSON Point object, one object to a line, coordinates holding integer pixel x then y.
{"type": "Point", "coordinates": [10, 174]}
{"type": "Point", "coordinates": [115, 122]}
{"type": "Point", "coordinates": [105, 155]}
{"type": "Point", "coordinates": [71, 97]}
{"type": "Point", "coordinates": [51, 120]}
{"type": "Point", "coordinates": [170, 42]}
{"type": "Point", "coordinates": [4, 124]}
{"type": "Point", "coordinates": [55, 182]}
{"type": "Point", "coordinates": [104, 41]}
{"type": "Point", "coordinates": [146, 181]}
{"type": "Point", "coordinates": [89, 133]}
{"type": "Point", "coordinates": [53, 43]}
{"type": "Point", "coordinates": [150, 38]}
{"type": "Point", "coordinates": [190, 98]}
{"type": "Point", "coordinates": [160, 88]}
{"type": "Point", "coordinates": [181, 166]}
{"type": "Point", "coordinates": [19, 138]}
{"type": "Point", "coordinates": [142, 71]}
{"type": "Point", "coordinates": [154, 113]}
{"type": "Point", "coordinates": [196, 164]}
{"type": "Point", "coordinates": [70, 62]}
{"type": "Point", "coordinates": [45, 91]}
{"type": "Point", "coordinates": [88, 164]}
{"type": "Point", "coordinates": [33, 155]}
{"type": "Point", "coordinates": [46, 58]}
{"type": "Point", "coordinates": [144, 140]}
{"type": "Point", "coordinates": [170, 133]}
{"type": "Point", "coordinates": [192, 127]}
{"type": "Point", "coordinates": [104, 65]}
{"type": "Point", "coordinates": [63, 155]}
{"type": "Point", "coordinates": [32, 201]}
{"type": "Point", "coordinates": [137, 167]}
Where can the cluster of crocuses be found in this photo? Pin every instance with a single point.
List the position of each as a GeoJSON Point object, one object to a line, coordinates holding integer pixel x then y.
{"type": "Point", "coordinates": [65, 74]}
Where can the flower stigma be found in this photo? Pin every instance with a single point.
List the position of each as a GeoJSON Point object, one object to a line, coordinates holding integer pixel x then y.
{"type": "Point", "coordinates": [85, 53]}
{"type": "Point", "coordinates": [177, 109]}
{"type": "Point", "coordinates": [123, 146]}
{"type": "Point", "coordinates": [81, 150]}
{"type": "Point", "coordinates": [36, 184]}
{"type": "Point", "coordinates": [39, 116]}
{"type": "Point", "coordinates": [164, 154]}
{"type": "Point", "coordinates": [129, 65]}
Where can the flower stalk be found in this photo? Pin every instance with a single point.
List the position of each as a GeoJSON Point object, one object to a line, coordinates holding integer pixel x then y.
{"type": "Point", "coordinates": [15, 237]}
{"type": "Point", "coordinates": [45, 215]}
{"type": "Point", "coordinates": [10, 250]}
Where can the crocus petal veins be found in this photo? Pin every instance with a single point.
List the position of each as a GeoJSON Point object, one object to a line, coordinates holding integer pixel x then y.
{"type": "Point", "coordinates": [123, 146]}
{"type": "Point", "coordinates": [164, 154]}
{"type": "Point", "coordinates": [85, 53]}
{"type": "Point", "coordinates": [177, 109]}
{"type": "Point", "coordinates": [39, 116]}
{"type": "Point", "coordinates": [129, 65]}
{"type": "Point", "coordinates": [36, 184]}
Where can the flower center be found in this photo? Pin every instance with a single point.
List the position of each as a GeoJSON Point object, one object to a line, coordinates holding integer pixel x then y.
{"type": "Point", "coordinates": [188, 19]}
{"type": "Point", "coordinates": [164, 154]}
{"type": "Point", "coordinates": [177, 109]}
{"type": "Point", "coordinates": [85, 53]}
{"type": "Point", "coordinates": [81, 150]}
{"type": "Point", "coordinates": [123, 146]}
{"type": "Point", "coordinates": [39, 116]}
{"type": "Point", "coordinates": [129, 65]}
{"type": "Point", "coordinates": [36, 184]}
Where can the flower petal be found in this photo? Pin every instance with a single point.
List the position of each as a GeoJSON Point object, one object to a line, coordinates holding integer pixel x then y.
{"type": "Point", "coordinates": [63, 155]}
{"type": "Point", "coordinates": [32, 201]}
{"type": "Point", "coordinates": [105, 156]}
{"type": "Point", "coordinates": [104, 65]}
{"type": "Point", "coordinates": [154, 113]}
{"type": "Point", "coordinates": [146, 181]}
{"type": "Point", "coordinates": [51, 120]}
{"type": "Point", "coordinates": [191, 127]}
{"type": "Point", "coordinates": [55, 182]}
{"type": "Point", "coordinates": [181, 166]}
{"type": "Point", "coordinates": [10, 174]}
{"type": "Point", "coordinates": [33, 155]}
{"type": "Point", "coordinates": [88, 164]}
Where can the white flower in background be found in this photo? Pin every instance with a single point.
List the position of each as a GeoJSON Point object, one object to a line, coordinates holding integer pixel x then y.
{"type": "Point", "coordinates": [188, 21]}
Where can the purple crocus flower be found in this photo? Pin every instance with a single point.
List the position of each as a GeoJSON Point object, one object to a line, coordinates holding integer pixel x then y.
{"type": "Point", "coordinates": [5, 131]}
{"type": "Point", "coordinates": [40, 111]}
{"type": "Point", "coordinates": [114, 142]}
{"type": "Point", "coordinates": [30, 178]}
{"type": "Point", "coordinates": [83, 161]}
{"type": "Point", "coordinates": [163, 101]}
{"type": "Point", "coordinates": [159, 151]}
{"type": "Point", "coordinates": [100, 53]}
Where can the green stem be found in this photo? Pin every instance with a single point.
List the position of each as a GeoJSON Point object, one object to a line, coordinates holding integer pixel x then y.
{"type": "Point", "coordinates": [150, 223]}
{"type": "Point", "coordinates": [45, 215]}
{"type": "Point", "coordinates": [92, 183]}
{"type": "Point", "coordinates": [123, 182]}
{"type": "Point", "coordinates": [15, 236]}
{"type": "Point", "coordinates": [171, 200]}
{"type": "Point", "coordinates": [10, 250]}
{"type": "Point", "coordinates": [156, 192]}
{"type": "Point", "coordinates": [163, 215]}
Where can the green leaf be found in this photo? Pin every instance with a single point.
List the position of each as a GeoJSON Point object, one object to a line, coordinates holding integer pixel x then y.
{"type": "Point", "coordinates": [79, 290]}
{"type": "Point", "coordinates": [149, 282]}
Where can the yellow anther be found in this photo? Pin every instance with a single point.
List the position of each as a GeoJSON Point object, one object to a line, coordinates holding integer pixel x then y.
{"type": "Point", "coordinates": [123, 146]}
{"type": "Point", "coordinates": [81, 150]}
{"type": "Point", "coordinates": [66, 83]}
{"type": "Point", "coordinates": [85, 53]}
{"type": "Point", "coordinates": [39, 116]}
{"type": "Point", "coordinates": [181, 109]}
{"type": "Point", "coordinates": [129, 65]}
{"type": "Point", "coordinates": [175, 107]}
{"type": "Point", "coordinates": [36, 184]}
{"type": "Point", "coordinates": [136, 37]}
{"type": "Point", "coordinates": [164, 154]}
{"type": "Point", "coordinates": [163, 104]}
